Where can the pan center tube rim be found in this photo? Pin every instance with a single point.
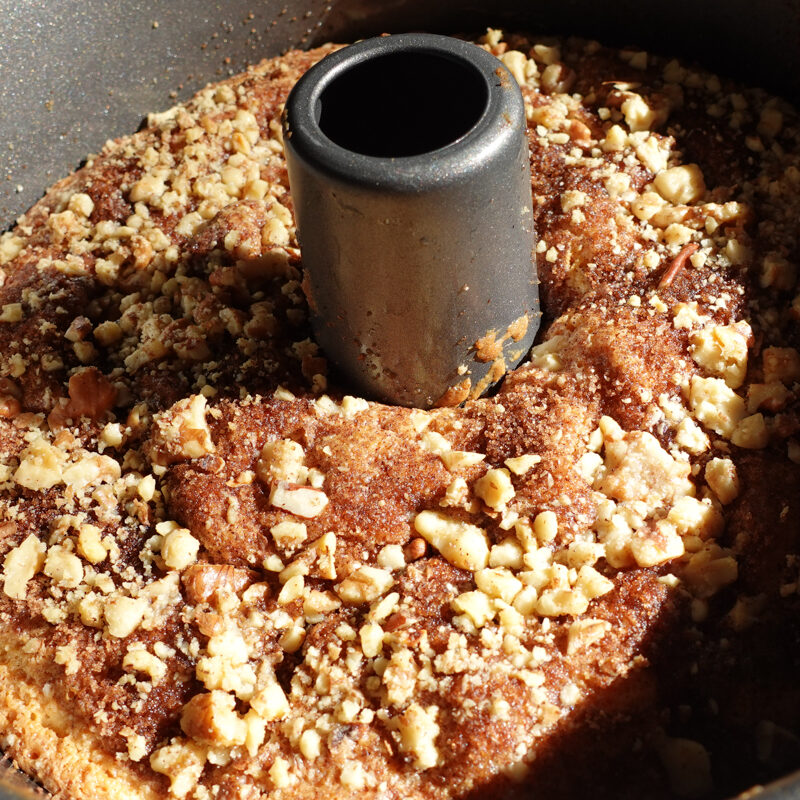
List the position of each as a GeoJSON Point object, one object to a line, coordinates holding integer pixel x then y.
{"type": "Point", "coordinates": [400, 104]}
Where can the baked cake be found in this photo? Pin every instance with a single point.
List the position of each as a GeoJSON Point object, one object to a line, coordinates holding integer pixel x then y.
{"type": "Point", "coordinates": [224, 577]}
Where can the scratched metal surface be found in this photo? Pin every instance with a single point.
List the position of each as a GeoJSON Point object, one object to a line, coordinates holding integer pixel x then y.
{"type": "Point", "coordinates": [73, 74]}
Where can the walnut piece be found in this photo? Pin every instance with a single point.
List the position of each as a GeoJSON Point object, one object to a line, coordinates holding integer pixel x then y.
{"type": "Point", "coordinates": [364, 585]}
{"type": "Point", "coordinates": [211, 718]}
{"type": "Point", "coordinates": [20, 565]}
{"type": "Point", "coordinates": [182, 762]}
{"type": "Point", "coordinates": [418, 731]}
{"type": "Point", "coordinates": [302, 501]}
{"type": "Point", "coordinates": [462, 544]}
{"type": "Point", "coordinates": [182, 432]}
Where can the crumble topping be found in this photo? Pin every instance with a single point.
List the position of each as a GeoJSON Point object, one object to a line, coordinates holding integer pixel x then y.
{"type": "Point", "coordinates": [250, 582]}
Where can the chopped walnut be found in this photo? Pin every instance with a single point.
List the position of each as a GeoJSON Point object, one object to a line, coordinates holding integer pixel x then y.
{"type": "Point", "coordinates": [123, 614]}
{"type": "Point", "coordinates": [64, 567]}
{"type": "Point", "coordinates": [400, 677]}
{"type": "Point", "coordinates": [456, 460]}
{"type": "Point", "coordinates": [21, 564]}
{"type": "Point", "coordinates": [495, 489]}
{"type": "Point", "coordinates": [182, 762]}
{"type": "Point", "coordinates": [586, 632]}
{"type": "Point", "coordinates": [292, 590]}
{"type": "Point", "coordinates": [41, 466]}
{"type": "Point", "coordinates": [681, 185]}
{"type": "Point", "coordinates": [772, 396]}
{"type": "Point", "coordinates": [517, 63]}
{"type": "Point", "coordinates": [722, 350]}
{"type": "Point", "coordinates": [639, 116]}
{"type": "Point", "coordinates": [364, 585]}
{"type": "Point", "coordinates": [90, 469]}
{"type": "Point", "coordinates": [522, 464]}
{"type": "Point", "coordinates": [182, 432]}
{"type": "Point", "coordinates": [709, 570]}
{"type": "Point", "coordinates": [139, 660]}
{"type": "Point", "coordinates": [751, 433]}
{"type": "Point", "coordinates": [280, 773]}
{"type": "Point", "coordinates": [316, 604]}
{"type": "Point", "coordinates": [689, 435]}
{"type": "Point", "coordinates": [371, 637]}
{"type": "Point", "coordinates": [418, 731]}
{"type": "Point", "coordinates": [462, 544]}
{"type": "Point", "coordinates": [498, 582]}
{"type": "Point", "coordinates": [179, 549]}
{"type": "Point", "coordinates": [657, 544]}
{"type": "Point", "coordinates": [302, 501]}
{"type": "Point", "coordinates": [694, 517]}
{"type": "Point", "coordinates": [269, 700]}
{"type": "Point", "coordinates": [226, 666]}
{"type": "Point", "coordinates": [289, 534]}
{"type": "Point", "coordinates": [716, 405]}
{"type": "Point", "coordinates": [203, 582]}
{"type": "Point", "coordinates": [282, 460]}
{"type": "Point", "coordinates": [545, 526]}
{"type": "Point", "coordinates": [507, 553]}
{"type": "Point", "coordinates": [721, 476]}
{"type": "Point", "coordinates": [638, 468]}
{"type": "Point", "coordinates": [476, 605]}
{"type": "Point", "coordinates": [211, 719]}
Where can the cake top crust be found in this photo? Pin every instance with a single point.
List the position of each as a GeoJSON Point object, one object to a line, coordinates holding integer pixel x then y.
{"type": "Point", "coordinates": [224, 576]}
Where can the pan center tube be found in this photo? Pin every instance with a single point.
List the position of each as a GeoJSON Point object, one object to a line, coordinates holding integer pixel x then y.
{"type": "Point", "coordinates": [410, 176]}
{"type": "Point", "coordinates": [401, 104]}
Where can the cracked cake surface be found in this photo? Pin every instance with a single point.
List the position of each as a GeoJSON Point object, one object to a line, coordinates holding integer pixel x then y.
{"type": "Point", "coordinates": [224, 576]}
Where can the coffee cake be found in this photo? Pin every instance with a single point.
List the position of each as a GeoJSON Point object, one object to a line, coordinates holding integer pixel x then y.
{"type": "Point", "coordinates": [223, 576]}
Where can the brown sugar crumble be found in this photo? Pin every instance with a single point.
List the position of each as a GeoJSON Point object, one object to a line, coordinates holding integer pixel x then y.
{"type": "Point", "coordinates": [224, 577]}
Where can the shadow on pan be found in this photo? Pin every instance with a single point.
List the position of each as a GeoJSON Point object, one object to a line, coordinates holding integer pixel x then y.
{"type": "Point", "coordinates": [73, 75]}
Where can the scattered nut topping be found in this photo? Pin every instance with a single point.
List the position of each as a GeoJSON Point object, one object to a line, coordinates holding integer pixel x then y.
{"type": "Point", "coordinates": [522, 464]}
{"type": "Point", "coordinates": [174, 537]}
{"type": "Point", "coordinates": [182, 432]}
{"type": "Point", "coordinates": [680, 185]}
{"type": "Point", "coordinates": [202, 582]}
{"type": "Point", "coordinates": [20, 565]}
{"type": "Point", "coordinates": [716, 405]}
{"type": "Point", "coordinates": [364, 585]}
{"type": "Point", "coordinates": [720, 474]}
{"type": "Point", "coordinates": [90, 543]}
{"type": "Point", "coordinates": [722, 350]}
{"type": "Point", "coordinates": [282, 460]}
{"type": "Point", "coordinates": [140, 660]}
{"type": "Point", "coordinates": [212, 719]}
{"type": "Point", "coordinates": [462, 544]}
{"type": "Point", "coordinates": [63, 567]}
{"type": "Point", "coordinates": [586, 632]}
{"type": "Point", "coordinates": [302, 501]}
{"type": "Point", "coordinates": [41, 466]}
{"type": "Point", "coordinates": [638, 468]}
{"type": "Point", "coordinates": [418, 731]}
{"type": "Point", "coordinates": [179, 549]}
{"type": "Point", "coordinates": [182, 762]}
{"type": "Point", "coordinates": [495, 489]}
{"type": "Point", "coordinates": [123, 614]}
